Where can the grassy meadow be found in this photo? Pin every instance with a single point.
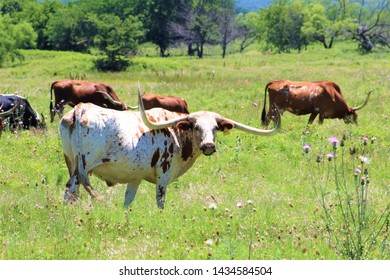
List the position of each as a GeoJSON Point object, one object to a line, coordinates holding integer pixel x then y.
{"type": "Point", "coordinates": [255, 198]}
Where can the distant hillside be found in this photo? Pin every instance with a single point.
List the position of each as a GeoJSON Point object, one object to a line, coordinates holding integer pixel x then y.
{"type": "Point", "coordinates": [252, 5]}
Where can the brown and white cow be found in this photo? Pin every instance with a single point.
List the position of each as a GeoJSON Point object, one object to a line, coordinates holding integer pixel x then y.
{"type": "Point", "coordinates": [127, 147]}
{"type": "Point", "coordinates": [73, 92]}
{"type": "Point", "coordinates": [323, 98]}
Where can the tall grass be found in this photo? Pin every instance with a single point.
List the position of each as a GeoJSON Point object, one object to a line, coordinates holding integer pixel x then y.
{"type": "Point", "coordinates": [253, 199]}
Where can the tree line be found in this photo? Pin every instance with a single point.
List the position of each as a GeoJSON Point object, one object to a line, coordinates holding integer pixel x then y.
{"type": "Point", "coordinates": [113, 29]}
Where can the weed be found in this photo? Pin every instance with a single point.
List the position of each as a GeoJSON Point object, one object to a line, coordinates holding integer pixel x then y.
{"type": "Point", "coordinates": [355, 229]}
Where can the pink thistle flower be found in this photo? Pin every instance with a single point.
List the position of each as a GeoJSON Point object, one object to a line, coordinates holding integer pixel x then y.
{"type": "Point", "coordinates": [357, 171]}
{"type": "Point", "coordinates": [306, 148]}
{"type": "Point", "coordinates": [334, 141]}
{"type": "Point", "coordinates": [330, 156]}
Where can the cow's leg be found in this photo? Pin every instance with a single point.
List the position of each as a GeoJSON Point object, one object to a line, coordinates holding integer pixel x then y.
{"type": "Point", "coordinates": [131, 190]}
{"type": "Point", "coordinates": [72, 189]}
{"type": "Point", "coordinates": [321, 119]}
{"type": "Point", "coordinates": [161, 190]}
{"type": "Point", "coordinates": [312, 117]}
{"type": "Point", "coordinates": [93, 193]}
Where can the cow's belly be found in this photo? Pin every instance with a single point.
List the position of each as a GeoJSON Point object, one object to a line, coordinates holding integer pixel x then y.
{"type": "Point", "coordinates": [114, 173]}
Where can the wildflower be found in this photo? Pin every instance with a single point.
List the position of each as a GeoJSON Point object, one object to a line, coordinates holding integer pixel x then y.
{"type": "Point", "coordinates": [365, 140]}
{"type": "Point", "coordinates": [362, 180]}
{"type": "Point", "coordinates": [239, 204]}
{"type": "Point", "coordinates": [330, 156]}
{"type": "Point", "coordinates": [213, 206]}
{"type": "Point", "coordinates": [334, 141]}
{"type": "Point", "coordinates": [209, 242]}
{"type": "Point", "coordinates": [373, 139]}
{"type": "Point", "coordinates": [319, 158]}
{"type": "Point", "coordinates": [364, 159]}
{"type": "Point", "coordinates": [306, 148]}
{"type": "Point", "coordinates": [357, 171]}
{"type": "Point", "coordinates": [366, 171]}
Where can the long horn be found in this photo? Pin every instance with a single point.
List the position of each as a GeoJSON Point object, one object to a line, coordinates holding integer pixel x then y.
{"type": "Point", "coordinates": [4, 114]}
{"type": "Point", "coordinates": [109, 98]}
{"type": "Point", "coordinates": [152, 125]}
{"type": "Point", "coordinates": [173, 122]}
{"type": "Point", "coordinates": [257, 131]}
{"type": "Point", "coordinates": [364, 103]}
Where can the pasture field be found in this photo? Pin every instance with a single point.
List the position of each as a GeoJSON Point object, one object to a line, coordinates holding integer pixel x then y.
{"type": "Point", "coordinates": [254, 199]}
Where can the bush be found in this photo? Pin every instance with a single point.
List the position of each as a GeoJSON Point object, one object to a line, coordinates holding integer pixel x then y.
{"type": "Point", "coordinates": [118, 65]}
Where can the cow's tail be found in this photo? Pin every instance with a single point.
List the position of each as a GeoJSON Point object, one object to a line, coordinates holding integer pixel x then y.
{"type": "Point", "coordinates": [82, 176]}
{"type": "Point", "coordinates": [263, 113]}
{"type": "Point", "coordinates": [52, 113]}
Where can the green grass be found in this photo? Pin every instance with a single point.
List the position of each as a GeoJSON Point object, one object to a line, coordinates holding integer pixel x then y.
{"type": "Point", "coordinates": [279, 216]}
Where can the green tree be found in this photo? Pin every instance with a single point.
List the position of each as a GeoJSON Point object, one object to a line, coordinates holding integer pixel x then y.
{"type": "Point", "coordinates": [14, 37]}
{"type": "Point", "coordinates": [161, 14]}
{"type": "Point", "coordinates": [247, 29]}
{"type": "Point", "coordinates": [117, 38]}
{"type": "Point", "coordinates": [280, 25]}
{"type": "Point", "coordinates": [325, 22]}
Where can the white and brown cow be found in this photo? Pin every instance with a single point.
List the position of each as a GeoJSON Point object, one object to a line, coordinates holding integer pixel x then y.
{"type": "Point", "coordinates": [127, 147]}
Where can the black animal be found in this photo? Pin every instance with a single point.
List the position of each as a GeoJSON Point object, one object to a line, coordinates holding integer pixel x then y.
{"type": "Point", "coordinates": [24, 116]}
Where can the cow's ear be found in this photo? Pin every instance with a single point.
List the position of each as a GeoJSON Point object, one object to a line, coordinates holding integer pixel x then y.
{"type": "Point", "coordinates": [225, 125]}
{"type": "Point", "coordinates": [185, 125]}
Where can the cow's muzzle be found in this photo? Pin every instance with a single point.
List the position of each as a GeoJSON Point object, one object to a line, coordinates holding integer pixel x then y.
{"type": "Point", "coordinates": [208, 149]}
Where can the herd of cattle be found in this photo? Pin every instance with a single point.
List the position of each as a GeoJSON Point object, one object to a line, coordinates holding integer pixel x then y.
{"type": "Point", "coordinates": [101, 135]}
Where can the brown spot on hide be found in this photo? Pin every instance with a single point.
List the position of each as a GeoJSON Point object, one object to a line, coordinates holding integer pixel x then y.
{"type": "Point", "coordinates": [155, 158]}
{"type": "Point", "coordinates": [165, 164]}
{"type": "Point", "coordinates": [84, 120]}
{"type": "Point", "coordinates": [141, 129]}
{"type": "Point", "coordinates": [84, 161]}
{"type": "Point", "coordinates": [187, 149]}
{"type": "Point", "coordinates": [104, 160]}
{"type": "Point", "coordinates": [171, 148]}
{"type": "Point", "coordinates": [152, 119]}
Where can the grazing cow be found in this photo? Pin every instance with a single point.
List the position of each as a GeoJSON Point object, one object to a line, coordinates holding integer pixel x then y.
{"type": "Point", "coordinates": [321, 98]}
{"type": "Point", "coordinates": [170, 103]}
{"type": "Point", "coordinates": [23, 112]}
{"type": "Point", "coordinates": [127, 147]}
{"type": "Point", "coordinates": [73, 92]}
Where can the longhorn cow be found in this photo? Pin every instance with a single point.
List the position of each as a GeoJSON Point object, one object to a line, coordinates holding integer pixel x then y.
{"type": "Point", "coordinates": [73, 92]}
{"type": "Point", "coordinates": [321, 98]}
{"type": "Point", "coordinates": [127, 147]}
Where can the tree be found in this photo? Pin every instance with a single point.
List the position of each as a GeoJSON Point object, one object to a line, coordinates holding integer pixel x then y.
{"type": "Point", "coordinates": [228, 28]}
{"type": "Point", "coordinates": [373, 18]}
{"type": "Point", "coordinates": [197, 24]}
{"type": "Point", "coordinates": [14, 37]}
{"type": "Point", "coordinates": [247, 29]}
{"type": "Point", "coordinates": [327, 21]}
{"type": "Point", "coordinates": [161, 13]}
{"type": "Point", "coordinates": [280, 25]}
{"type": "Point", "coordinates": [117, 38]}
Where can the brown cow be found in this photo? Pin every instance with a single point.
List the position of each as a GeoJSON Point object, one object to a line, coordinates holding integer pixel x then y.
{"type": "Point", "coordinates": [170, 103]}
{"type": "Point", "coordinates": [73, 92]}
{"type": "Point", "coordinates": [321, 98]}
